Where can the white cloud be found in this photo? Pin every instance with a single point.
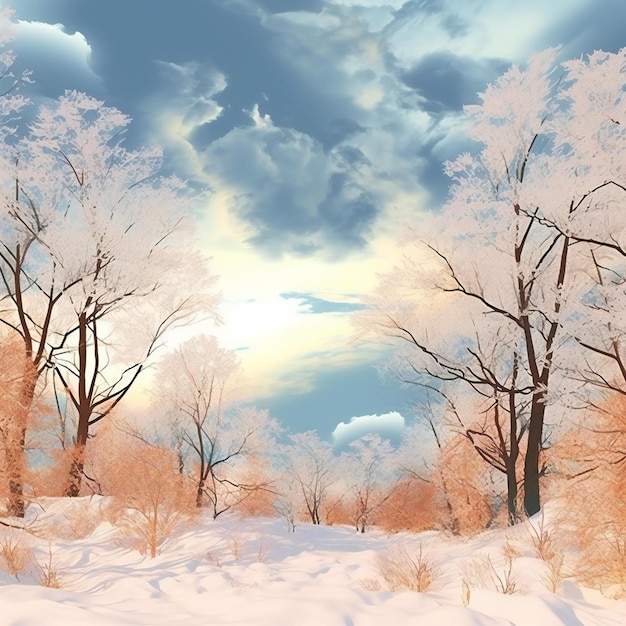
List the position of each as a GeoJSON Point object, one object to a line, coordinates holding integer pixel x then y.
{"type": "Point", "coordinates": [73, 51]}
{"type": "Point", "coordinates": [385, 424]}
{"type": "Point", "coordinates": [188, 103]}
{"type": "Point", "coordinates": [492, 29]}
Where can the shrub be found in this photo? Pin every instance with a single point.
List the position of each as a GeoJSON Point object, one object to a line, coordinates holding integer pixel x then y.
{"type": "Point", "coordinates": [399, 570]}
{"type": "Point", "coordinates": [413, 505]}
{"type": "Point", "coordinates": [152, 499]}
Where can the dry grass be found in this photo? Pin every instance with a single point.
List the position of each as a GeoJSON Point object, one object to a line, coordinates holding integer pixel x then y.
{"type": "Point", "coordinates": [213, 558]}
{"type": "Point", "coordinates": [466, 592]}
{"type": "Point", "coordinates": [49, 574]}
{"type": "Point", "coordinates": [510, 550]}
{"type": "Point", "coordinates": [550, 548]}
{"type": "Point", "coordinates": [235, 547]}
{"type": "Point", "coordinates": [543, 540]}
{"type": "Point", "coordinates": [400, 570]}
{"type": "Point", "coordinates": [481, 572]}
{"type": "Point", "coordinates": [15, 554]}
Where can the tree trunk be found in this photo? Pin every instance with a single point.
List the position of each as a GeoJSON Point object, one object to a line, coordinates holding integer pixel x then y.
{"type": "Point", "coordinates": [16, 463]}
{"type": "Point", "coordinates": [75, 477]}
{"type": "Point", "coordinates": [532, 501]}
{"type": "Point", "coordinates": [511, 493]}
{"type": "Point", "coordinates": [511, 462]}
{"type": "Point", "coordinates": [200, 493]}
{"type": "Point", "coordinates": [16, 452]}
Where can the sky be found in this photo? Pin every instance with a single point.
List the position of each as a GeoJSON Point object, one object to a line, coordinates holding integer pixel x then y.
{"type": "Point", "coordinates": [320, 128]}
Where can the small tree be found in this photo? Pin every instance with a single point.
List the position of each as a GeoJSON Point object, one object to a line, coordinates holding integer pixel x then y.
{"type": "Point", "coordinates": [152, 498]}
{"type": "Point", "coordinates": [193, 385]}
{"type": "Point", "coordinates": [370, 474]}
{"type": "Point", "coordinates": [309, 462]}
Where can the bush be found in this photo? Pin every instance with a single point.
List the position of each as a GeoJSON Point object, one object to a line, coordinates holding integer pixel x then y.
{"type": "Point", "coordinates": [400, 570]}
{"type": "Point", "coordinates": [152, 499]}
{"type": "Point", "coordinates": [413, 505]}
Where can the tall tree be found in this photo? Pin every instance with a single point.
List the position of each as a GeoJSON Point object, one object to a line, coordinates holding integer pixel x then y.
{"type": "Point", "coordinates": [16, 245]}
{"type": "Point", "coordinates": [108, 256]}
{"type": "Point", "coordinates": [505, 251]}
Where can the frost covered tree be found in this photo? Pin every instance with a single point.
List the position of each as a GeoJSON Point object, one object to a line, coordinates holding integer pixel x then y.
{"type": "Point", "coordinates": [309, 462]}
{"type": "Point", "coordinates": [506, 263]}
{"type": "Point", "coordinates": [15, 243]}
{"type": "Point", "coordinates": [105, 268]}
{"type": "Point", "coordinates": [370, 472]}
{"type": "Point", "coordinates": [194, 385]}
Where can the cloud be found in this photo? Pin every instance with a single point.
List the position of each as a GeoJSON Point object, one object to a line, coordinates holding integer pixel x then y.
{"type": "Point", "coordinates": [59, 60]}
{"type": "Point", "coordinates": [191, 106]}
{"type": "Point", "coordinates": [319, 305]}
{"type": "Point", "coordinates": [320, 137]}
{"type": "Point", "coordinates": [287, 345]}
{"type": "Point", "coordinates": [282, 350]}
{"type": "Point", "coordinates": [387, 424]}
{"type": "Point", "coordinates": [295, 197]}
{"type": "Point", "coordinates": [448, 82]}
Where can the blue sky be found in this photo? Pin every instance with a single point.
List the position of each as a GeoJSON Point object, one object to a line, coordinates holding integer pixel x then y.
{"type": "Point", "coordinates": [320, 127]}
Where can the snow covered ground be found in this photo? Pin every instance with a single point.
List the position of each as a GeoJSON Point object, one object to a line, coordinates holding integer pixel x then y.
{"type": "Point", "coordinates": [254, 572]}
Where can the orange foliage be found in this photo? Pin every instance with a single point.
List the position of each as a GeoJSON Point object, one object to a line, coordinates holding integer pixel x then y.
{"type": "Point", "coordinates": [51, 479]}
{"type": "Point", "coordinates": [338, 510]}
{"type": "Point", "coordinates": [591, 489]}
{"type": "Point", "coordinates": [460, 475]}
{"type": "Point", "coordinates": [259, 497]}
{"type": "Point", "coordinates": [16, 377]}
{"type": "Point", "coordinates": [413, 505]}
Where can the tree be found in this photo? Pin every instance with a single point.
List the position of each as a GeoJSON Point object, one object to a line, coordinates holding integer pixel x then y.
{"type": "Point", "coordinates": [114, 239]}
{"type": "Point", "coordinates": [151, 500]}
{"type": "Point", "coordinates": [88, 232]}
{"type": "Point", "coordinates": [193, 385]}
{"type": "Point", "coordinates": [15, 244]}
{"type": "Point", "coordinates": [505, 250]}
{"type": "Point", "coordinates": [370, 474]}
{"type": "Point", "coordinates": [309, 462]}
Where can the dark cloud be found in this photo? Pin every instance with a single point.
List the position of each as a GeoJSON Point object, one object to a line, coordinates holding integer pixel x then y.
{"type": "Point", "coordinates": [352, 156]}
{"type": "Point", "coordinates": [432, 155]}
{"type": "Point", "coordinates": [282, 6]}
{"type": "Point", "coordinates": [128, 38]}
{"type": "Point", "coordinates": [347, 211]}
{"type": "Point", "coordinates": [447, 82]}
{"type": "Point", "coordinates": [319, 305]}
{"type": "Point", "coordinates": [415, 7]}
{"type": "Point", "coordinates": [455, 26]}
{"type": "Point", "coordinates": [295, 195]}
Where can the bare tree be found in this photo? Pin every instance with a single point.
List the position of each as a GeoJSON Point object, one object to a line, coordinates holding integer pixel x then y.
{"type": "Point", "coordinates": [309, 461]}
{"type": "Point", "coordinates": [193, 386]}
{"type": "Point", "coordinates": [370, 475]}
{"type": "Point", "coordinates": [119, 250]}
{"type": "Point", "coordinates": [506, 252]}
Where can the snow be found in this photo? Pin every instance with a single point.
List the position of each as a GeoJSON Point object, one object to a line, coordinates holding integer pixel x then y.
{"type": "Point", "coordinates": [255, 572]}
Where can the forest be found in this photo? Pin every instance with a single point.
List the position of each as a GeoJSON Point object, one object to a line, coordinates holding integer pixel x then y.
{"type": "Point", "coordinates": [507, 317]}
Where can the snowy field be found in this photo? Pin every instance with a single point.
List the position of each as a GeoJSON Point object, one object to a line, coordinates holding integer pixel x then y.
{"type": "Point", "coordinates": [254, 572]}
